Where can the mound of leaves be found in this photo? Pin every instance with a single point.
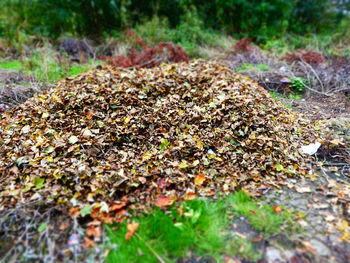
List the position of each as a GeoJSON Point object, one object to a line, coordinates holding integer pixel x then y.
{"type": "Point", "coordinates": [115, 136]}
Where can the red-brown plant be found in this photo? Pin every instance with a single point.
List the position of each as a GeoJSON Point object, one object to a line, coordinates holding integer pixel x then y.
{"type": "Point", "coordinates": [135, 38]}
{"type": "Point", "coordinates": [243, 45]}
{"type": "Point", "coordinates": [148, 57]}
{"type": "Point", "coordinates": [310, 57]}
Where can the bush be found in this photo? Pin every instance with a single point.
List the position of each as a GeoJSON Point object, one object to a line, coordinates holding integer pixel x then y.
{"type": "Point", "coordinates": [259, 19]}
{"type": "Point", "coordinates": [298, 84]}
{"type": "Point", "coordinates": [315, 16]}
{"type": "Point", "coordinates": [310, 57]}
{"type": "Point", "coordinates": [189, 34]}
{"type": "Point", "coordinates": [155, 30]}
{"type": "Point", "coordinates": [149, 56]}
{"type": "Point", "coordinates": [51, 18]}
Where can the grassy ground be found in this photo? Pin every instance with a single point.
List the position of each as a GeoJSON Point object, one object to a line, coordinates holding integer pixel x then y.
{"type": "Point", "coordinates": [198, 227]}
{"type": "Point", "coordinates": [47, 65]}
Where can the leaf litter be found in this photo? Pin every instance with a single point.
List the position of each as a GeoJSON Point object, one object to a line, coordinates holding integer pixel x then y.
{"type": "Point", "coordinates": [114, 138]}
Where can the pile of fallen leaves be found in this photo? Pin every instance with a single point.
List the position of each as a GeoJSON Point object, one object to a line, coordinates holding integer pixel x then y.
{"type": "Point", "coordinates": [115, 136]}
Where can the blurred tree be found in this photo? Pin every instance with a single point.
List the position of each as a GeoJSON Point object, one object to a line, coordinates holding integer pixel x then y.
{"type": "Point", "coordinates": [256, 18]}
{"type": "Point", "coordinates": [316, 15]}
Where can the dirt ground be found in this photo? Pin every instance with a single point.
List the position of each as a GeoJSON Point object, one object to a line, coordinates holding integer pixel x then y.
{"type": "Point", "coordinates": [323, 197]}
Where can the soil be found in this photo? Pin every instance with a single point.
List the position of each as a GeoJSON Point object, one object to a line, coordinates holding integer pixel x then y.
{"type": "Point", "coordinates": [322, 198]}
{"type": "Point", "coordinates": [321, 107]}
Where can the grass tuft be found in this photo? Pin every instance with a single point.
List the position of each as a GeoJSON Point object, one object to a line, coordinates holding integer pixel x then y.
{"type": "Point", "coordinates": [11, 65]}
{"type": "Point", "coordinates": [262, 218]}
{"type": "Point", "coordinates": [199, 227]}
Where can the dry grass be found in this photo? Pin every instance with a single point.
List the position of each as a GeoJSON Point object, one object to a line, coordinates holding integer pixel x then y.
{"type": "Point", "coordinates": [115, 48]}
{"type": "Point", "coordinates": [39, 232]}
{"type": "Point", "coordinates": [325, 78]}
{"type": "Point", "coordinates": [16, 88]}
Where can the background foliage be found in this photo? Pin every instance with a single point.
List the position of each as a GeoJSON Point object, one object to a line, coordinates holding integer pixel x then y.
{"type": "Point", "coordinates": [259, 19]}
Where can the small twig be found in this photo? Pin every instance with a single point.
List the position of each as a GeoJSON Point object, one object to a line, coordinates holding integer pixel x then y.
{"type": "Point", "coordinates": [315, 73]}
{"type": "Point", "coordinates": [336, 164]}
{"type": "Point", "coordinates": [150, 248]}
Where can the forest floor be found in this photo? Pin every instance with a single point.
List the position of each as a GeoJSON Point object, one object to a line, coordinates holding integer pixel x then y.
{"type": "Point", "coordinates": [320, 202]}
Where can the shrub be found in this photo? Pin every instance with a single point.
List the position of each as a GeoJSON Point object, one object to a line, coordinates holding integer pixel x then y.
{"type": "Point", "coordinates": [257, 19]}
{"type": "Point", "coordinates": [315, 16]}
{"type": "Point", "coordinates": [260, 20]}
{"type": "Point", "coordinates": [191, 32]}
{"type": "Point", "coordinates": [310, 57]}
{"type": "Point", "coordinates": [298, 84]}
{"type": "Point", "coordinates": [149, 56]}
{"type": "Point", "coordinates": [243, 45]}
{"type": "Point", "coordinates": [154, 31]}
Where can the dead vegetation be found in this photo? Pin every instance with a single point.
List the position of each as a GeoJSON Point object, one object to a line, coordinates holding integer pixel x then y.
{"type": "Point", "coordinates": [323, 75]}
{"type": "Point", "coordinates": [40, 232]}
{"type": "Point", "coordinates": [15, 88]}
{"type": "Point", "coordinates": [143, 56]}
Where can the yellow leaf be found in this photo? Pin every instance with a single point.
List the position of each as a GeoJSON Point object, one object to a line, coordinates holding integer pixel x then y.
{"type": "Point", "coordinates": [190, 196]}
{"type": "Point", "coordinates": [211, 156]}
{"type": "Point", "coordinates": [199, 144]}
{"type": "Point", "coordinates": [132, 228]}
{"type": "Point", "coordinates": [49, 159]}
{"type": "Point", "coordinates": [199, 179]}
{"type": "Point", "coordinates": [343, 226]}
{"type": "Point", "coordinates": [183, 164]}
{"type": "Point", "coordinates": [346, 236]}
{"type": "Point", "coordinates": [146, 156]}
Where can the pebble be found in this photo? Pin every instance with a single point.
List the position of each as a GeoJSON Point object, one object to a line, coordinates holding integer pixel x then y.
{"type": "Point", "coordinates": [273, 255]}
{"type": "Point", "coordinates": [321, 249]}
{"type": "Point", "coordinates": [288, 255]}
{"type": "Point", "coordinates": [300, 203]}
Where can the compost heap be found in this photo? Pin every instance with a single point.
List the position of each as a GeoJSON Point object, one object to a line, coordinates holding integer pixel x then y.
{"type": "Point", "coordinates": [147, 136]}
